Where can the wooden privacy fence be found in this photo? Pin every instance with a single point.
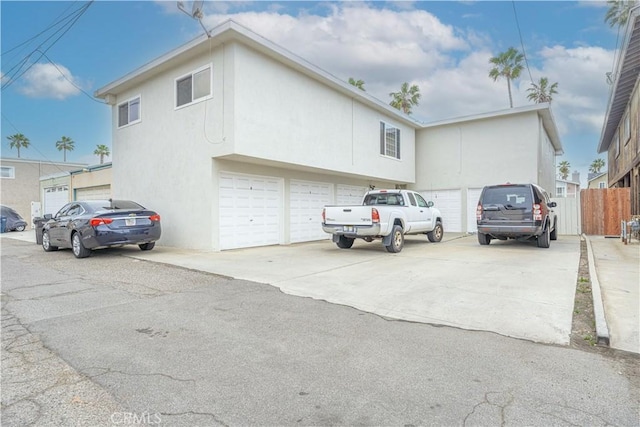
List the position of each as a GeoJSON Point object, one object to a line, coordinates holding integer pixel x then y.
{"type": "Point", "coordinates": [603, 209]}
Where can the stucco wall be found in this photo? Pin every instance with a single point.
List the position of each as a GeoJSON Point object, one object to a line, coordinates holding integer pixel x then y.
{"type": "Point", "coordinates": [478, 153]}
{"type": "Point", "coordinates": [284, 115]}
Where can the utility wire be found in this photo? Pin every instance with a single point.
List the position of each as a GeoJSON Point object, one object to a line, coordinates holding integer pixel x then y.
{"type": "Point", "coordinates": [15, 77]}
{"type": "Point", "coordinates": [70, 81]}
{"type": "Point", "coordinates": [521, 42]}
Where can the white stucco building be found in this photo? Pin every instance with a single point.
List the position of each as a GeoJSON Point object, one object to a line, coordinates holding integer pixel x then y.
{"type": "Point", "coordinates": [237, 143]}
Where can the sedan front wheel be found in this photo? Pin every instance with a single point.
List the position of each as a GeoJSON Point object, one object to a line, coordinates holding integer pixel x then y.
{"type": "Point", "coordinates": [46, 242]}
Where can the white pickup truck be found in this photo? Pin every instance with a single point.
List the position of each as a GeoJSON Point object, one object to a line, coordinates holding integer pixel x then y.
{"type": "Point", "coordinates": [386, 215]}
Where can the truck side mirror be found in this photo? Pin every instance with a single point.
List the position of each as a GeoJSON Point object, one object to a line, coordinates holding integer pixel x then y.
{"type": "Point", "coordinates": [429, 204]}
{"type": "Point", "coordinates": [48, 216]}
{"type": "Point", "coordinates": [552, 204]}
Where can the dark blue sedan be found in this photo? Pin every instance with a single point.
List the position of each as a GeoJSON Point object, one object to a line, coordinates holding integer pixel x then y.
{"type": "Point", "coordinates": [96, 224]}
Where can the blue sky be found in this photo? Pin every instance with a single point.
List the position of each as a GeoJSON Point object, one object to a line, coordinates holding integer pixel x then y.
{"type": "Point", "coordinates": [443, 47]}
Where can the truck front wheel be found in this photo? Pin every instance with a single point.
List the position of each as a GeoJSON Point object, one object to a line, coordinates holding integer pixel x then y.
{"type": "Point", "coordinates": [345, 242]}
{"type": "Point", "coordinates": [397, 240]}
{"type": "Point", "coordinates": [436, 234]}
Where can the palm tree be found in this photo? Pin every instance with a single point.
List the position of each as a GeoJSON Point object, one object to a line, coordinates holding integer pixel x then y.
{"type": "Point", "coordinates": [102, 150]}
{"type": "Point", "coordinates": [508, 65]}
{"type": "Point", "coordinates": [405, 99]}
{"type": "Point", "coordinates": [65, 144]}
{"type": "Point", "coordinates": [542, 92]}
{"type": "Point", "coordinates": [357, 83]}
{"type": "Point", "coordinates": [564, 168]}
{"type": "Point", "coordinates": [596, 166]}
{"type": "Point", "coordinates": [618, 13]}
{"type": "Point", "coordinates": [18, 140]}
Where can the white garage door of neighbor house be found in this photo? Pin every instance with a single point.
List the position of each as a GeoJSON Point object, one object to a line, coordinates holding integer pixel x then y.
{"type": "Point", "coordinates": [449, 203]}
{"type": "Point", "coordinates": [473, 195]}
{"type": "Point", "coordinates": [249, 208]}
{"type": "Point", "coordinates": [306, 200]}
{"type": "Point", "coordinates": [102, 192]}
{"type": "Point", "coordinates": [55, 198]}
{"type": "Point", "coordinates": [350, 194]}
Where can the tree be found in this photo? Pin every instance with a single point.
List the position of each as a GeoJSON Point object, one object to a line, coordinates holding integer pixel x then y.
{"type": "Point", "coordinates": [18, 141]}
{"type": "Point", "coordinates": [102, 150]}
{"type": "Point", "coordinates": [508, 65]}
{"type": "Point", "coordinates": [406, 99]}
{"type": "Point", "coordinates": [542, 92]}
{"type": "Point", "coordinates": [618, 13]}
{"type": "Point", "coordinates": [65, 144]}
{"type": "Point", "coordinates": [357, 83]}
{"type": "Point", "coordinates": [564, 168]}
{"type": "Point", "coordinates": [596, 166]}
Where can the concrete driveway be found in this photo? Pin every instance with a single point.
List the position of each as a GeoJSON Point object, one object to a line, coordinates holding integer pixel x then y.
{"type": "Point", "coordinates": [510, 288]}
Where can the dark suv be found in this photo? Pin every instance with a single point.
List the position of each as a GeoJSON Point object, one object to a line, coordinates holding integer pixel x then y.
{"type": "Point", "coordinates": [516, 211]}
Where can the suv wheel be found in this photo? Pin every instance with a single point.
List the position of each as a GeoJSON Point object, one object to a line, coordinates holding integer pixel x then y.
{"type": "Point", "coordinates": [543, 239]}
{"type": "Point", "coordinates": [484, 239]}
{"type": "Point", "coordinates": [554, 233]}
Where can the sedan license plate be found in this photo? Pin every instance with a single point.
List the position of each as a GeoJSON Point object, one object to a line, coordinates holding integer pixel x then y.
{"type": "Point", "coordinates": [349, 229]}
{"type": "Point", "coordinates": [129, 222]}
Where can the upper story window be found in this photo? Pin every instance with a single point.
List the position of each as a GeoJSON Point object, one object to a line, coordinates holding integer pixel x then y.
{"type": "Point", "coordinates": [129, 112]}
{"type": "Point", "coordinates": [602, 185]}
{"type": "Point", "coordinates": [560, 192]}
{"type": "Point", "coordinates": [389, 140]}
{"type": "Point", "coordinates": [193, 87]}
{"type": "Point", "coordinates": [627, 129]}
{"type": "Point", "coordinates": [8, 172]}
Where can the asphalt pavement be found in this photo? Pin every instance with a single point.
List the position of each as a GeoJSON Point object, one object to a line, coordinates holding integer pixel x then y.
{"type": "Point", "coordinates": [115, 340]}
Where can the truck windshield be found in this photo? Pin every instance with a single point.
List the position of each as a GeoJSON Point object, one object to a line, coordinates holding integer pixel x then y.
{"type": "Point", "coordinates": [384, 199]}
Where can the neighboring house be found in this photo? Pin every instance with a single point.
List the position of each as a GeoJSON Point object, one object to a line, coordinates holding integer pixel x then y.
{"type": "Point", "coordinates": [565, 188]}
{"type": "Point", "coordinates": [620, 135]}
{"type": "Point", "coordinates": [21, 184]}
{"type": "Point", "coordinates": [87, 183]}
{"type": "Point", "coordinates": [598, 180]}
{"type": "Point", "coordinates": [92, 182]}
{"type": "Point", "coordinates": [236, 142]}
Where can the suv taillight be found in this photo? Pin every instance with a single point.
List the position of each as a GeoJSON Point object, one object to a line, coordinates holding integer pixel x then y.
{"type": "Point", "coordinates": [537, 212]}
{"type": "Point", "coordinates": [479, 212]}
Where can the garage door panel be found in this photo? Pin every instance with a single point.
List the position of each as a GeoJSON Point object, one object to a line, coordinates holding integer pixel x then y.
{"type": "Point", "coordinates": [449, 202]}
{"type": "Point", "coordinates": [473, 195]}
{"type": "Point", "coordinates": [249, 209]}
{"type": "Point", "coordinates": [350, 194]}
{"type": "Point", "coordinates": [306, 200]}
{"type": "Point", "coordinates": [55, 198]}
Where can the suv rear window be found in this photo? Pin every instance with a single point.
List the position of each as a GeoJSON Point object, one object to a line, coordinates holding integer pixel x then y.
{"type": "Point", "coordinates": [514, 196]}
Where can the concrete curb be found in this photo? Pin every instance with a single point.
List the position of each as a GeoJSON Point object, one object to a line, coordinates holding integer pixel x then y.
{"type": "Point", "coordinates": [602, 330]}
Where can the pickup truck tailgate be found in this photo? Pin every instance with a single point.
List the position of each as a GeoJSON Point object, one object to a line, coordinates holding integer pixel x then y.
{"type": "Point", "coordinates": [348, 215]}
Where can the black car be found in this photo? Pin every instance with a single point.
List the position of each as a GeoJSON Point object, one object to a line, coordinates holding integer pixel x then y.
{"type": "Point", "coordinates": [14, 220]}
{"type": "Point", "coordinates": [516, 211]}
{"type": "Point", "coordinates": [96, 224]}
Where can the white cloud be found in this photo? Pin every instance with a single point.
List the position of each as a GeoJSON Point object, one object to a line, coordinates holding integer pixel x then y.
{"type": "Point", "coordinates": [386, 47]}
{"type": "Point", "coordinates": [46, 81]}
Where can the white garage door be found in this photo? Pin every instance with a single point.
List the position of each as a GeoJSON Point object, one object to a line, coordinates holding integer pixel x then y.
{"type": "Point", "coordinates": [102, 192]}
{"type": "Point", "coordinates": [249, 210]}
{"type": "Point", "coordinates": [473, 195]}
{"type": "Point", "coordinates": [350, 194]}
{"type": "Point", "coordinates": [55, 198]}
{"type": "Point", "coordinates": [449, 202]}
{"type": "Point", "coordinates": [306, 200]}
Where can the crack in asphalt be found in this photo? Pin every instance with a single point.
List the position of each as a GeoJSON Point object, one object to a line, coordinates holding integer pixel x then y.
{"type": "Point", "coordinates": [488, 397]}
{"type": "Point", "coordinates": [108, 371]}
{"type": "Point", "coordinates": [207, 414]}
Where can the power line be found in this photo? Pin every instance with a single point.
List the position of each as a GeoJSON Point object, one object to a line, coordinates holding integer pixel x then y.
{"type": "Point", "coordinates": [16, 76]}
{"type": "Point", "coordinates": [521, 42]}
